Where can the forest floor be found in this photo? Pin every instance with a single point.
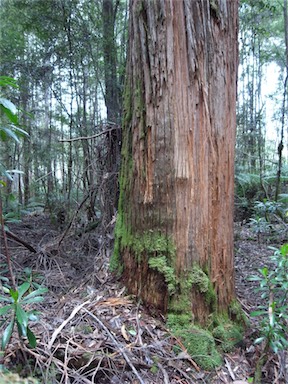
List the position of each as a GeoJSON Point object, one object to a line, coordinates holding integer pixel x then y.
{"type": "Point", "coordinates": [91, 331]}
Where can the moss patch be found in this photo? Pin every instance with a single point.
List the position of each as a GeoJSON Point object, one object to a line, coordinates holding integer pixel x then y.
{"type": "Point", "coordinates": [227, 335]}
{"type": "Point", "coordinates": [152, 243]}
{"type": "Point", "coordinates": [201, 346]}
{"type": "Point", "coordinates": [177, 322]}
{"type": "Point", "coordinates": [160, 264]}
{"type": "Point", "coordinates": [227, 331]}
{"type": "Point", "coordinates": [236, 313]}
{"type": "Point", "coordinates": [204, 345]}
{"type": "Point", "coordinates": [198, 279]}
{"type": "Point", "coordinates": [9, 378]}
{"type": "Point", "coordinates": [159, 249]}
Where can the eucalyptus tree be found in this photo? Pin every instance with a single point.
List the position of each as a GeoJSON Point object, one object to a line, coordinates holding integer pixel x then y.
{"type": "Point", "coordinates": [174, 231]}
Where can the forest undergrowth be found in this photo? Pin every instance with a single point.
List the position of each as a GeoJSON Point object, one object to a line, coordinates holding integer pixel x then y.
{"type": "Point", "coordinates": [92, 331]}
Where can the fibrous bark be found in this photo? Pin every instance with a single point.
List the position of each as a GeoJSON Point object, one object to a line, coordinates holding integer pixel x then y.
{"type": "Point", "coordinates": [176, 190]}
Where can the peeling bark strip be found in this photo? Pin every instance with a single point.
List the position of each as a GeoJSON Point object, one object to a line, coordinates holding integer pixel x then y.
{"type": "Point", "coordinates": [178, 149]}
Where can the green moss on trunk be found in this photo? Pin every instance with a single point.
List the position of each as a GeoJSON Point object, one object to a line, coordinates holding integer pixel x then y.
{"type": "Point", "coordinates": [160, 264]}
{"type": "Point", "coordinates": [199, 280]}
{"type": "Point", "coordinates": [221, 332]}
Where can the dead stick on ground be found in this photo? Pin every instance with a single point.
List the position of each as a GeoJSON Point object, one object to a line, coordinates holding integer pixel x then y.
{"type": "Point", "coordinates": [116, 343]}
{"type": "Point", "coordinates": [165, 374]}
{"type": "Point", "coordinates": [20, 241]}
{"type": "Point", "coordinates": [59, 329]}
{"type": "Point", "coordinates": [47, 362]}
{"type": "Point", "coordinates": [229, 369]}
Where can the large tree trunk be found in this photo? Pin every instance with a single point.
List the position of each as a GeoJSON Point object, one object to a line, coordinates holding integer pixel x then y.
{"type": "Point", "coordinates": [174, 233]}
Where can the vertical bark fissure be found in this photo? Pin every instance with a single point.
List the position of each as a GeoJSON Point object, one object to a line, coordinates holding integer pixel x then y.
{"type": "Point", "coordinates": [182, 81]}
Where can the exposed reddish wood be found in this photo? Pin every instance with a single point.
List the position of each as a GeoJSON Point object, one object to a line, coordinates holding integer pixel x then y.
{"type": "Point", "coordinates": [145, 283]}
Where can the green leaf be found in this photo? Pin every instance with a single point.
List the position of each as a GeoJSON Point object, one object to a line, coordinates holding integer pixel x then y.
{"type": "Point", "coordinates": [31, 338]}
{"type": "Point", "coordinates": [258, 313]}
{"type": "Point", "coordinates": [274, 346]}
{"type": "Point", "coordinates": [284, 250]}
{"type": "Point", "coordinates": [259, 340]}
{"type": "Point", "coordinates": [284, 341]}
{"type": "Point", "coordinates": [254, 278]}
{"type": "Point", "coordinates": [37, 292]}
{"type": "Point", "coordinates": [23, 288]}
{"type": "Point", "coordinates": [22, 317]}
{"type": "Point", "coordinates": [20, 131]}
{"type": "Point", "coordinates": [11, 116]}
{"type": "Point", "coordinates": [12, 134]}
{"type": "Point", "coordinates": [14, 295]}
{"type": "Point", "coordinates": [8, 105]}
{"type": "Point", "coordinates": [4, 173]}
{"type": "Point", "coordinates": [32, 315]}
{"type": "Point", "coordinates": [10, 215]}
{"type": "Point", "coordinates": [6, 299]}
{"type": "Point", "coordinates": [264, 271]}
{"type": "Point", "coordinates": [3, 135]}
{"type": "Point", "coordinates": [36, 299]}
{"type": "Point", "coordinates": [7, 334]}
{"type": "Point", "coordinates": [6, 80]}
{"type": "Point", "coordinates": [6, 289]}
{"type": "Point", "coordinates": [5, 309]}
{"type": "Point", "coordinates": [22, 331]}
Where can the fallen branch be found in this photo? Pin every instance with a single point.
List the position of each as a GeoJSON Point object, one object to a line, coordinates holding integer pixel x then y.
{"type": "Point", "coordinates": [20, 241]}
{"type": "Point", "coordinates": [59, 329]}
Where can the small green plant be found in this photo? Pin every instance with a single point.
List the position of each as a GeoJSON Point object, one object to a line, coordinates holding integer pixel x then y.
{"type": "Point", "coordinates": [34, 278]}
{"type": "Point", "coordinates": [259, 226]}
{"type": "Point", "coordinates": [273, 284]}
{"type": "Point", "coordinates": [268, 209]}
{"type": "Point", "coordinates": [14, 312]}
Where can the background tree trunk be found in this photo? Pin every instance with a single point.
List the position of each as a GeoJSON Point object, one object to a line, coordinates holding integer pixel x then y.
{"type": "Point", "coordinates": [284, 106]}
{"type": "Point", "coordinates": [174, 233]}
{"type": "Point", "coordinates": [112, 102]}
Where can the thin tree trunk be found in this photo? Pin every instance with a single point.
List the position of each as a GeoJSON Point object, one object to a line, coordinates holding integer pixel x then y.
{"type": "Point", "coordinates": [112, 101]}
{"type": "Point", "coordinates": [281, 143]}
